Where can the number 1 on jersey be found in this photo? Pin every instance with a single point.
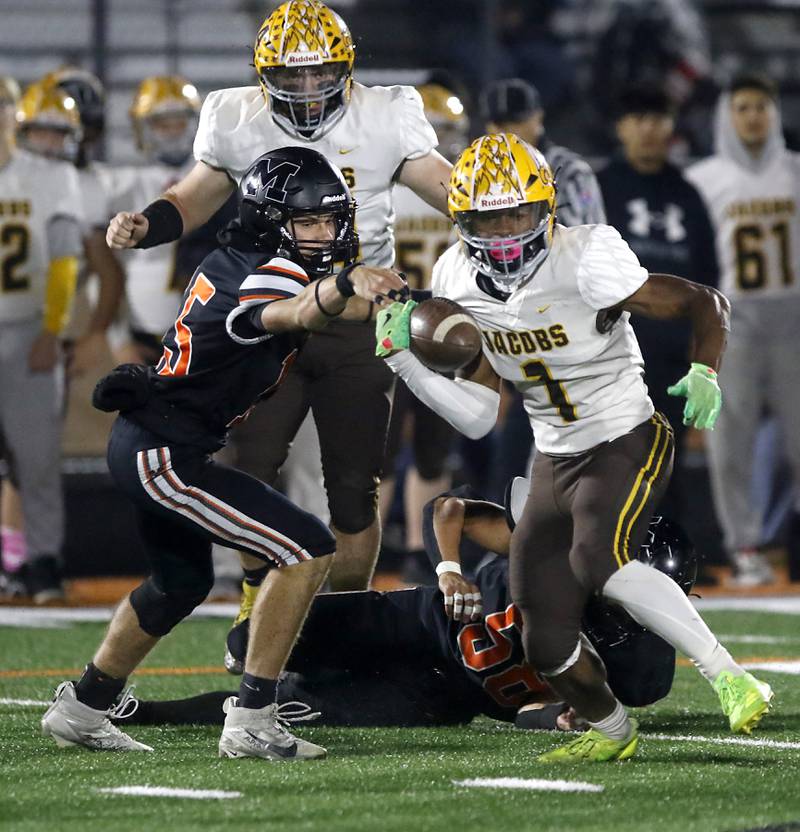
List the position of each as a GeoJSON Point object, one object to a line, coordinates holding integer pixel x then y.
{"type": "Point", "coordinates": [171, 365]}
{"type": "Point", "coordinates": [537, 370]}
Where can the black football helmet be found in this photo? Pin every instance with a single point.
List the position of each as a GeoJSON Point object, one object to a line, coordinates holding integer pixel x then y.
{"type": "Point", "coordinates": [288, 183]}
{"type": "Point", "coordinates": [667, 548]}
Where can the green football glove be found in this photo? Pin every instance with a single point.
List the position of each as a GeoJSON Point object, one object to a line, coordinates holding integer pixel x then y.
{"type": "Point", "coordinates": [703, 396]}
{"type": "Point", "coordinates": [392, 328]}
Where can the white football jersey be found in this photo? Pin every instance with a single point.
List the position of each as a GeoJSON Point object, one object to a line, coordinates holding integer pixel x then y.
{"type": "Point", "coordinates": [756, 215]}
{"type": "Point", "coordinates": [33, 192]}
{"type": "Point", "coordinates": [381, 127]}
{"type": "Point", "coordinates": [581, 386]}
{"type": "Point", "coordinates": [421, 236]}
{"type": "Point", "coordinates": [152, 290]}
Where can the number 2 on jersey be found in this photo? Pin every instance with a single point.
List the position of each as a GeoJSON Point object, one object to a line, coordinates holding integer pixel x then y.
{"type": "Point", "coordinates": [14, 248]}
{"type": "Point", "coordinates": [178, 365]}
{"type": "Point", "coordinates": [537, 370]}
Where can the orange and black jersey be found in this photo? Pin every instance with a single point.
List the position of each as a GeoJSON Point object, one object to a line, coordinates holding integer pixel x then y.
{"type": "Point", "coordinates": [216, 364]}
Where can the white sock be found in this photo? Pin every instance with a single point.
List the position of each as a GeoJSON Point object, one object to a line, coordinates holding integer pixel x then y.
{"type": "Point", "coordinates": [656, 602]}
{"type": "Point", "coordinates": [616, 726]}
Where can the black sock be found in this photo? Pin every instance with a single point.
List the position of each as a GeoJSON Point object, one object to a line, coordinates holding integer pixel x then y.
{"type": "Point", "coordinates": [257, 692]}
{"type": "Point", "coordinates": [97, 690]}
{"type": "Point", "coordinates": [205, 709]}
{"type": "Point", "coordinates": [255, 577]}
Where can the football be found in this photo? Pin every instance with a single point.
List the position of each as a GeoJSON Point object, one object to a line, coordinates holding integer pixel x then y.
{"type": "Point", "coordinates": [444, 336]}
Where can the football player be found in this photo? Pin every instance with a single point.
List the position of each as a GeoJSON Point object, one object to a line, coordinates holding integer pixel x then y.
{"type": "Point", "coordinates": [164, 115]}
{"type": "Point", "coordinates": [245, 316]}
{"type": "Point", "coordinates": [306, 97]}
{"type": "Point", "coordinates": [750, 186]}
{"type": "Point", "coordinates": [422, 234]}
{"type": "Point", "coordinates": [553, 304]}
{"type": "Point", "coordinates": [40, 242]}
{"type": "Point", "coordinates": [421, 657]}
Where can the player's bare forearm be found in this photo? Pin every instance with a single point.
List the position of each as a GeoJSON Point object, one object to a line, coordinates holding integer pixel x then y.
{"type": "Point", "coordinates": [666, 297]}
{"type": "Point", "coordinates": [359, 309]}
{"type": "Point", "coordinates": [448, 526]}
{"type": "Point", "coordinates": [103, 263]}
{"type": "Point", "coordinates": [485, 524]}
{"type": "Point", "coordinates": [200, 194]}
{"type": "Point", "coordinates": [305, 310]}
{"type": "Point", "coordinates": [428, 177]}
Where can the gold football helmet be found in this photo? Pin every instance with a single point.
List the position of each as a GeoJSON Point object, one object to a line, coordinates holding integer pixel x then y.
{"type": "Point", "coordinates": [502, 197]}
{"type": "Point", "coordinates": [48, 121]}
{"type": "Point", "coordinates": [165, 113]}
{"type": "Point", "coordinates": [445, 112]}
{"type": "Point", "coordinates": [304, 59]}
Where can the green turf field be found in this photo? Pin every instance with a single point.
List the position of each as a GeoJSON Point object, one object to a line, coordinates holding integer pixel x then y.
{"type": "Point", "coordinates": [385, 780]}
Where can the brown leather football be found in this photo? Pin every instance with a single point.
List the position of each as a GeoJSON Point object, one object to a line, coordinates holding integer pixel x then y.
{"type": "Point", "coordinates": [444, 336]}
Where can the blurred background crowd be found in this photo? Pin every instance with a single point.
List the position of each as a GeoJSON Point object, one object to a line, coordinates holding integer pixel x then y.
{"type": "Point", "coordinates": [619, 94]}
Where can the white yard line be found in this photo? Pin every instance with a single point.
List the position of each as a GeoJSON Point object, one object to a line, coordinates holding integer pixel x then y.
{"type": "Point", "coordinates": [791, 666]}
{"type": "Point", "coordinates": [25, 703]}
{"type": "Point", "coordinates": [782, 744]}
{"type": "Point", "coordinates": [163, 791]}
{"type": "Point", "coordinates": [787, 604]}
{"type": "Point", "coordinates": [531, 785]}
{"type": "Point", "coordinates": [756, 639]}
{"type": "Point", "coordinates": [37, 617]}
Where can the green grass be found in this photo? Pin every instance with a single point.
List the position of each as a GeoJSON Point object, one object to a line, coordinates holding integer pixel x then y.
{"type": "Point", "coordinates": [386, 779]}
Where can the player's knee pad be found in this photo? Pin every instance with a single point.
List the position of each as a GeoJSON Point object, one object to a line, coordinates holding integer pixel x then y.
{"type": "Point", "coordinates": [353, 504]}
{"type": "Point", "coordinates": [158, 612]}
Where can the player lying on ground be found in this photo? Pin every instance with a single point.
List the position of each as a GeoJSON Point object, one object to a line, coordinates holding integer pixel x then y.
{"type": "Point", "coordinates": [245, 317]}
{"type": "Point", "coordinates": [418, 657]}
{"type": "Point", "coordinates": [554, 304]}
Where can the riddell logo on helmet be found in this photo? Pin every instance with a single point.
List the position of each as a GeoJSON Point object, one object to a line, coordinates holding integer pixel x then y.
{"type": "Point", "coordinates": [491, 202]}
{"type": "Point", "coordinates": [303, 58]}
{"type": "Point", "coordinates": [332, 198]}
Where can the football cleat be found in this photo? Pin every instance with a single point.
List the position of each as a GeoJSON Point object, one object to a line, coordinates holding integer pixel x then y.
{"type": "Point", "coordinates": [594, 747]}
{"type": "Point", "coordinates": [262, 732]}
{"type": "Point", "coordinates": [744, 700]}
{"type": "Point", "coordinates": [70, 722]}
{"type": "Point", "coordinates": [236, 641]}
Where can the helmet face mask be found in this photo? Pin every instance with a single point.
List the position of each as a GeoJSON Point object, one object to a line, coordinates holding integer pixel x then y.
{"type": "Point", "coordinates": [502, 198]}
{"type": "Point", "coordinates": [165, 113]}
{"type": "Point", "coordinates": [307, 100]}
{"type": "Point", "coordinates": [168, 137]}
{"type": "Point", "coordinates": [508, 244]}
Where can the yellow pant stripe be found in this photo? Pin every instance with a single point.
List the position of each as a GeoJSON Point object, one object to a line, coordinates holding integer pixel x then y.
{"type": "Point", "coordinates": [649, 480]}
{"type": "Point", "coordinates": [635, 489]}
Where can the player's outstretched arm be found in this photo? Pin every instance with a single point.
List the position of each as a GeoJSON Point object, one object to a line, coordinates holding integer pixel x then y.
{"type": "Point", "coordinates": [183, 208]}
{"type": "Point", "coordinates": [324, 299]}
{"type": "Point", "coordinates": [427, 177]}
{"type": "Point", "coordinates": [668, 297]}
{"type": "Point", "coordinates": [469, 403]}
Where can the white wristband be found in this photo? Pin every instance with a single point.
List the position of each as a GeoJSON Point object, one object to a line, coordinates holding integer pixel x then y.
{"type": "Point", "coordinates": [448, 566]}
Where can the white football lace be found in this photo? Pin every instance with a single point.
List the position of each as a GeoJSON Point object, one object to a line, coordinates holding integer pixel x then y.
{"type": "Point", "coordinates": [127, 705]}
{"type": "Point", "coordinates": [289, 712]}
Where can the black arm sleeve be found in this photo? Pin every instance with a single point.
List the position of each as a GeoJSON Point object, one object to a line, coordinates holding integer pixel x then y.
{"type": "Point", "coordinates": [165, 224]}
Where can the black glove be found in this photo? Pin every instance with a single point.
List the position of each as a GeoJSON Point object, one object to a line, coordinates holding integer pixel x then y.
{"type": "Point", "coordinates": [127, 387]}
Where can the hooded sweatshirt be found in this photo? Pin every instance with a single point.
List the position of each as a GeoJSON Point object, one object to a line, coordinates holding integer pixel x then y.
{"type": "Point", "coordinates": [754, 203]}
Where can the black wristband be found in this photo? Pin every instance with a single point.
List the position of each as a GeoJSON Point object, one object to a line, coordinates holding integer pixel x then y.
{"type": "Point", "coordinates": [165, 224]}
{"type": "Point", "coordinates": [343, 283]}
{"type": "Point", "coordinates": [320, 306]}
{"type": "Point", "coordinates": [254, 316]}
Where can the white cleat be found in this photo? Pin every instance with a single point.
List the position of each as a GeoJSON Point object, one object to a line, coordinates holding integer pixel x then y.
{"type": "Point", "coordinates": [250, 732]}
{"type": "Point", "coordinates": [70, 722]}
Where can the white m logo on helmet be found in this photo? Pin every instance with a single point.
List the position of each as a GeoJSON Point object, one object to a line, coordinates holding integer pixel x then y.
{"type": "Point", "coordinates": [275, 179]}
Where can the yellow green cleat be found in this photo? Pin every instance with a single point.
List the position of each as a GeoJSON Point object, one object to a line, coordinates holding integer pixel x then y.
{"type": "Point", "coordinates": [744, 699]}
{"type": "Point", "coordinates": [594, 747]}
